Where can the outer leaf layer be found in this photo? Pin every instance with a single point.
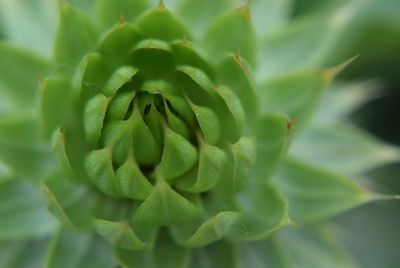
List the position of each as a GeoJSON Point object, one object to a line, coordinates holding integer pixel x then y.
{"type": "Point", "coordinates": [23, 211]}
{"type": "Point", "coordinates": [315, 193]}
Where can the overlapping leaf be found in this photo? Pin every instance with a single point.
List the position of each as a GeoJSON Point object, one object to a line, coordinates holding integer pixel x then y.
{"type": "Point", "coordinates": [23, 211]}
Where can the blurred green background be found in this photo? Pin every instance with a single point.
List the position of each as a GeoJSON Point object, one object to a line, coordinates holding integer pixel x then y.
{"type": "Point", "coordinates": [371, 232]}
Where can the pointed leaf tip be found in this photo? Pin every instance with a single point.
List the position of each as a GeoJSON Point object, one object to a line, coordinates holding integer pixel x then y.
{"type": "Point", "coordinates": [211, 230]}
{"type": "Point", "coordinates": [165, 207]}
{"type": "Point", "coordinates": [245, 9]}
{"type": "Point", "coordinates": [119, 234]}
{"type": "Point", "coordinates": [161, 5]}
{"type": "Point", "coordinates": [75, 37]}
{"type": "Point", "coordinates": [334, 71]}
{"type": "Point", "coordinates": [229, 33]}
{"type": "Point", "coordinates": [290, 125]}
{"type": "Point", "coordinates": [179, 155]}
{"type": "Point", "coordinates": [122, 19]}
{"type": "Point", "coordinates": [315, 194]}
{"type": "Point", "coordinates": [373, 196]}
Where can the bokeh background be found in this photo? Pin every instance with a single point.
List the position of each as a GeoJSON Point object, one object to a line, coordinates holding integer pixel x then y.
{"type": "Point", "coordinates": [370, 232]}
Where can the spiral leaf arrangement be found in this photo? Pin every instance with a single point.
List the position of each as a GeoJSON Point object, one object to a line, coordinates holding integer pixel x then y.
{"type": "Point", "coordinates": [165, 143]}
{"type": "Point", "coordinates": [160, 131]}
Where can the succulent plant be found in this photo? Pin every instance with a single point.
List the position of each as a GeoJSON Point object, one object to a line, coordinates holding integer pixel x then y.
{"type": "Point", "coordinates": [175, 135]}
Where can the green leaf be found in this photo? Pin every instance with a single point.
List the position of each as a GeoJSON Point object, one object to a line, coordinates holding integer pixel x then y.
{"type": "Point", "coordinates": [269, 16]}
{"type": "Point", "coordinates": [208, 232]}
{"type": "Point", "coordinates": [209, 123]}
{"type": "Point", "coordinates": [89, 79]}
{"type": "Point", "coordinates": [119, 234]}
{"type": "Point", "coordinates": [154, 58]}
{"type": "Point", "coordinates": [119, 105]}
{"type": "Point", "coordinates": [118, 136]}
{"type": "Point", "coordinates": [165, 207]}
{"type": "Point", "coordinates": [233, 72]}
{"type": "Point", "coordinates": [343, 99]}
{"type": "Point", "coordinates": [112, 209]}
{"type": "Point", "coordinates": [19, 77]}
{"type": "Point", "coordinates": [305, 43]}
{"type": "Point", "coordinates": [164, 254]}
{"type": "Point", "coordinates": [343, 148]}
{"type": "Point", "coordinates": [211, 167]}
{"type": "Point", "coordinates": [178, 157]}
{"type": "Point", "coordinates": [30, 24]}
{"type": "Point", "coordinates": [186, 53]}
{"type": "Point", "coordinates": [315, 193]}
{"type": "Point", "coordinates": [297, 248]}
{"type": "Point", "coordinates": [316, 247]}
{"type": "Point", "coordinates": [23, 211]}
{"type": "Point", "coordinates": [55, 104]}
{"type": "Point", "coordinates": [182, 107]}
{"type": "Point", "coordinates": [261, 254]}
{"type": "Point", "coordinates": [75, 37]}
{"type": "Point", "coordinates": [224, 101]}
{"type": "Point", "coordinates": [58, 144]}
{"type": "Point", "coordinates": [70, 203]}
{"type": "Point", "coordinates": [230, 33]}
{"type": "Point", "coordinates": [263, 211]}
{"type": "Point", "coordinates": [176, 123]}
{"type": "Point", "coordinates": [22, 149]}
{"type": "Point", "coordinates": [100, 169]}
{"type": "Point", "coordinates": [99, 255]}
{"type": "Point", "coordinates": [244, 156]}
{"type": "Point", "coordinates": [74, 250]}
{"type": "Point", "coordinates": [146, 149]}
{"type": "Point", "coordinates": [296, 94]}
{"type": "Point", "coordinates": [116, 44]}
{"type": "Point", "coordinates": [5, 172]}
{"type": "Point", "coordinates": [272, 137]}
{"type": "Point", "coordinates": [86, 6]}
{"type": "Point", "coordinates": [220, 254]}
{"type": "Point", "coordinates": [93, 118]}
{"type": "Point", "coordinates": [197, 14]}
{"type": "Point", "coordinates": [109, 13]}
{"type": "Point", "coordinates": [131, 182]}
{"type": "Point", "coordinates": [121, 76]}
{"type": "Point", "coordinates": [159, 86]}
{"type": "Point", "coordinates": [199, 78]}
{"type": "Point", "coordinates": [23, 253]}
{"type": "Point", "coordinates": [233, 104]}
{"type": "Point", "coordinates": [66, 241]}
{"type": "Point", "coordinates": [154, 120]}
{"type": "Point", "coordinates": [172, 29]}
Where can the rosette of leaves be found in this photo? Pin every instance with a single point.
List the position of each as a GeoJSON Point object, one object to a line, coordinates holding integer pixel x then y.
{"type": "Point", "coordinates": [159, 135]}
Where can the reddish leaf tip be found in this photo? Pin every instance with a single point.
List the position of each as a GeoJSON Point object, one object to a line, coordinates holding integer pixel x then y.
{"type": "Point", "coordinates": [245, 9]}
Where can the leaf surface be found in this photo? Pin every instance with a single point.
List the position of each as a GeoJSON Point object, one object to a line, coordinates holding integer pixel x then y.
{"type": "Point", "coordinates": [23, 253]}
{"type": "Point", "coordinates": [297, 95]}
{"type": "Point", "coordinates": [343, 148]}
{"type": "Point", "coordinates": [230, 33]}
{"type": "Point", "coordinates": [20, 72]}
{"type": "Point", "coordinates": [296, 248]}
{"type": "Point", "coordinates": [23, 150]}
{"type": "Point", "coordinates": [74, 250]}
{"type": "Point", "coordinates": [172, 28]}
{"type": "Point", "coordinates": [30, 24]}
{"type": "Point", "coordinates": [314, 193]}
{"type": "Point", "coordinates": [110, 12]}
{"type": "Point", "coordinates": [75, 37]}
{"type": "Point", "coordinates": [164, 254]}
{"type": "Point", "coordinates": [165, 206]}
{"type": "Point", "coordinates": [23, 211]}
